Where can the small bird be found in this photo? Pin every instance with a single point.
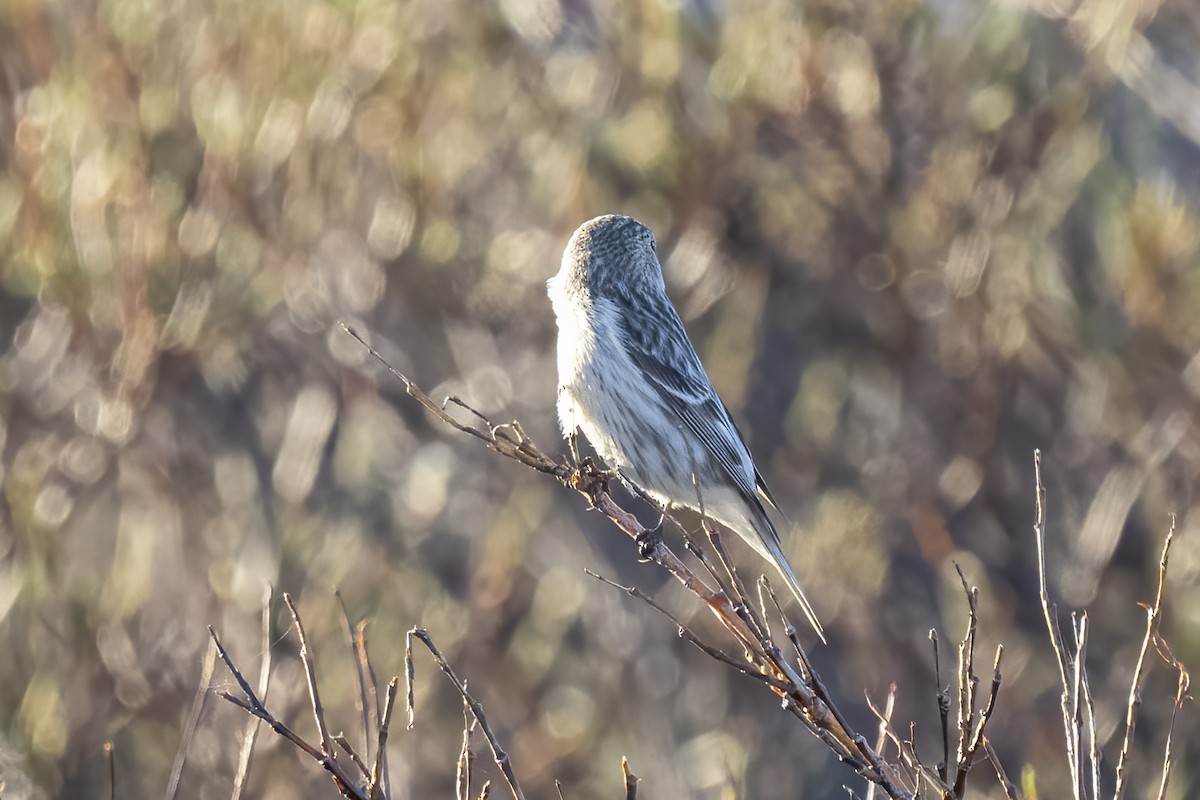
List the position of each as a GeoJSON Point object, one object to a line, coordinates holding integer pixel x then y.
{"type": "Point", "coordinates": [630, 380]}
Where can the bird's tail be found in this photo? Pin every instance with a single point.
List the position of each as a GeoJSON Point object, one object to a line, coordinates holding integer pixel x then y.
{"type": "Point", "coordinates": [785, 569]}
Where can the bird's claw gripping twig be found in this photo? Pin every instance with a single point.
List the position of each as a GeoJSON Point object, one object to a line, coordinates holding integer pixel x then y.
{"type": "Point", "coordinates": [648, 541]}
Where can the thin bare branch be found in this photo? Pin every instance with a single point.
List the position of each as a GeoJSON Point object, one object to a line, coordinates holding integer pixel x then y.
{"type": "Point", "coordinates": [498, 753]}
{"type": "Point", "coordinates": [1050, 613]}
{"type": "Point", "coordinates": [687, 634]}
{"type": "Point", "coordinates": [466, 758]}
{"type": "Point", "coordinates": [1088, 705]}
{"type": "Point", "coordinates": [264, 685]}
{"type": "Point", "coordinates": [363, 699]}
{"type": "Point", "coordinates": [1181, 694]}
{"type": "Point", "coordinates": [631, 780]}
{"type": "Point", "coordinates": [193, 719]}
{"type": "Point", "coordinates": [251, 704]}
{"type": "Point", "coordinates": [885, 723]}
{"type": "Point", "coordinates": [409, 681]}
{"type": "Point", "coordinates": [943, 704]}
{"type": "Point", "coordinates": [968, 760]}
{"type": "Point", "coordinates": [375, 714]}
{"type": "Point", "coordinates": [376, 789]}
{"type": "Point", "coordinates": [1153, 614]}
{"type": "Point", "coordinates": [310, 676]}
{"type": "Point", "coordinates": [110, 762]}
{"type": "Point", "coordinates": [1010, 788]}
{"type": "Point", "coordinates": [341, 741]}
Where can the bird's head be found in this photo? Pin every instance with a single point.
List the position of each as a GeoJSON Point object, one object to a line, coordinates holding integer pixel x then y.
{"type": "Point", "coordinates": [608, 256]}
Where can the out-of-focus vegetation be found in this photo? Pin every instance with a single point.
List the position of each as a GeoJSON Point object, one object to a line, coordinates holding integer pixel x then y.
{"type": "Point", "coordinates": [912, 242]}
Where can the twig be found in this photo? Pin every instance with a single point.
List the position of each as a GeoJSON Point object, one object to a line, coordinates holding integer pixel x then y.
{"type": "Point", "coordinates": [410, 678]}
{"type": "Point", "coordinates": [1010, 788]}
{"type": "Point", "coordinates": [310, 677]}
{"type": "Point", "coordinates": [1180, 697]}
{"type": "Point", "coordinates": [508, 440]}
{"type": "Point", "coordinates": [687, 634]}
{"type": "Point", "coordinates": [966, 683]}
{"type": "Point", "coordinates": [968, 759]}
{"type": "Point", "coordinates": [1050, 613]}
{"type": "Point", "coordinates": [462, 771]}
{"type": "Point", "coordinates": [252, 705]}
{"type": "Point", "coordinates": [885, 722]}
{"type": "Point", "coordinates": [943, 704]}
{"type": "Point", "coordinates": [498, 753]}
{"type": "Point", "coordinates": [341, 741]}
{"type": "Point", "coordinates": [631, 780]}
{"type": "Point", "coordinates": [264, 685]}
{"type": "Point", "coordinates": [367, 673]}
{"type": "Point", "coordinates": [112, 771]}
{"type": "Point", "coordinates": [1089, 706]}
{"type": "Point", "coordinates": [733, 580]}
{"type": "Point", "coordinates": [363, 703]}
{"type": "Point", "coordinates": [379, 768]}
{"type": "Point", "coordinates": [193, 719]}
{"type": "Point", "coordinates": [1135, 690]}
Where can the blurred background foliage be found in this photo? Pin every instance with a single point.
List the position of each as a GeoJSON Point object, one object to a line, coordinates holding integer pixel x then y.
{"type": "Point", "coordinates": [912, 241]}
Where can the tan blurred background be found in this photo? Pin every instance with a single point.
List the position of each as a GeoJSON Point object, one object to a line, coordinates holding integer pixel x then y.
{"type": "Point", "coordinates": [912, 242]}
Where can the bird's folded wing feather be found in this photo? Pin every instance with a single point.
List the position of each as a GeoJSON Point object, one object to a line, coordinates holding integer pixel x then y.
{"type": "Point", "coordinates": [661, 349]}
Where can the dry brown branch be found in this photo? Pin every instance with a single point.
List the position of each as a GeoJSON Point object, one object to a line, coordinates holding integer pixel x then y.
{"type": "Point", "coordinates": [377, 788]}
{"type": "Point", "coordinates": [1010, 788]}
{"type": "Point", "coordinates": [1181, 694]}
{"type": "Point", "coordinates": [379, 717]}
{"type": "Point", "coordinates": [466, 758]}
{"type": "Point", "coordinates": [1153, 614]}
{"type": "Point", "coordinates": [885, 722]}
{"type": "Point", "coordinates": [112, 771]}
{"type": "Point", "coordinates": [1050, 612]}
{"type": "Point", "coordinates": [362, 783]}
{"type": "Point", "coordinates": [498, 753]}
{"type": "Point", "coordinates": [363, 697]}
{"type": "Point", "coordinates": [310, 676]}
{"type": "Point", "coordinates": [985, 714]}
{"type": "Point", "coordinates": [971, 719]}
{"type": "Point", "coordinates": [690, 636]}
{"type": "Point", "coordinates": [264, 685]}
{"type": "Point", "coordinates": [252, 705]}
{"type": "Point", "coordinates": [803, 694]}
{"type": "Point", "coordinates": [341, 741]}
{"type": "Point", "coordinates": [1084, 696]}
{"type": "Point", "coordinates": [193, 719]}
{"type": "Point", "coordinates": [943, 704]}
{"type": "Point", "coordinates": [1077, 702]}
{"type": "Point", "coordinates": [631, 780]}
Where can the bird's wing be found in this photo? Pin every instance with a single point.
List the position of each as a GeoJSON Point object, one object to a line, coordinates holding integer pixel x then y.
{"type": "Point", "coordinates": [657, 343]}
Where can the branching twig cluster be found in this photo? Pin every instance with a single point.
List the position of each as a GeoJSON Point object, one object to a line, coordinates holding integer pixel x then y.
{"type": "Point", "coordinates": [354, 780]}
{"type": "Point", "coordinates": [780, 663]}
{"type": "Point", "coordinates": [949, 779]}
{"type": "Point", "coordinates": [1078, 711]}
{"type": "Point", "coordinates": [783, 668]}
{"type": "Point", "coordinates": [369, 781]}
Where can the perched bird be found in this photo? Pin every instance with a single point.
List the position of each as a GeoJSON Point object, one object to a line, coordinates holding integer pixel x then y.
{"type": "Point", "coordinates": [630, 380]}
